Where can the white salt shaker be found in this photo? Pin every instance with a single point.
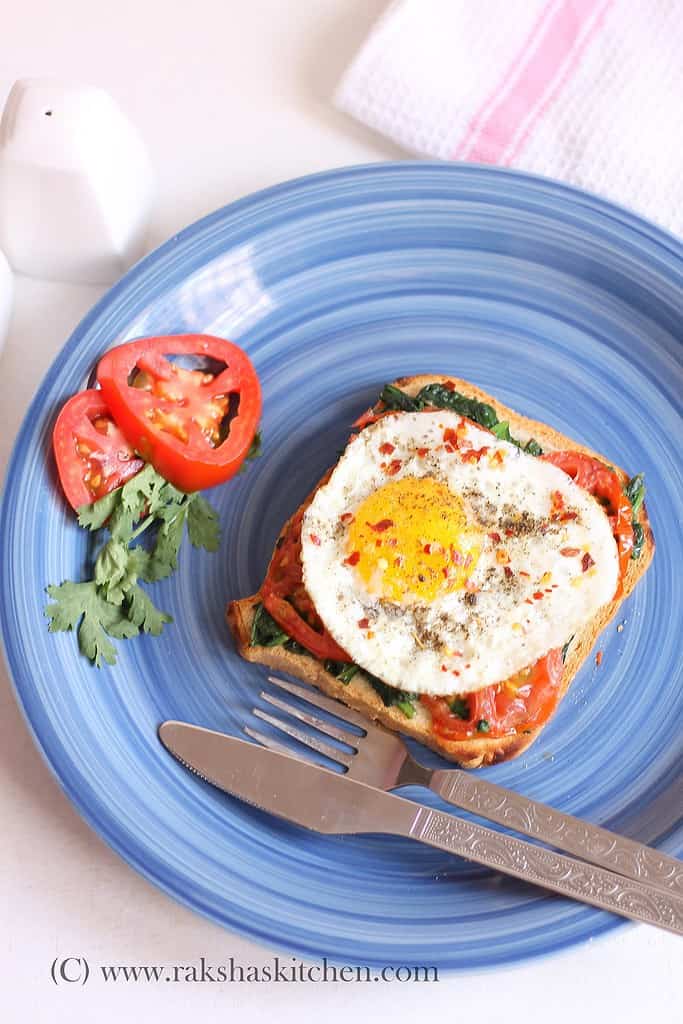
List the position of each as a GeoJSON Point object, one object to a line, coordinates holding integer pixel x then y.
{"type": "Point", "coordinates": [6, 293]}
{"type": "Point", "coordinates": [76, 183]}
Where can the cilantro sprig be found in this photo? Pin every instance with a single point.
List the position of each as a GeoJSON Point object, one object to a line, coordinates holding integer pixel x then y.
{"type": "Point", "coordinates": [113, 605]}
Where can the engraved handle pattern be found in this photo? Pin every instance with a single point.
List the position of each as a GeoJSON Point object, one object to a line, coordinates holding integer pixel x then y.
{"type": "Point", "coordinates": [551, 870]}
{"type": "Point", "coordinates": [601, 847]}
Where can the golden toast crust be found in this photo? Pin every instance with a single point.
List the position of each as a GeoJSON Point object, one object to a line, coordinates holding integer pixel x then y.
{"type": "Point", "coordinates": [359, 694]}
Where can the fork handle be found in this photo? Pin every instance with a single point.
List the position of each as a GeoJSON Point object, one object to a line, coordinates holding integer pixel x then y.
{"type": "Point", "coordinates": [592, 843]}
{"type": "Point", "coordinates": [576, 879]}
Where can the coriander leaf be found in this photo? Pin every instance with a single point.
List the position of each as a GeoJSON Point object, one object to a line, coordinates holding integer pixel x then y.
{"type": "Point", "coordinates": [111, 569]}
{"type": "Point", "coordinates": [203, 524]}
{"type": "Point", "coordinates": [83, 601]}
{"type": "Point", "coordinates": [146, 492]}
{"type": "Point", "coordinates": [144, 614]}
{"type": "Point", "coordinates": [255, 451]}
{"type": "Point", "coordinates": [163, 558]}
{"type": "Point", "coordinates": [95, 515]}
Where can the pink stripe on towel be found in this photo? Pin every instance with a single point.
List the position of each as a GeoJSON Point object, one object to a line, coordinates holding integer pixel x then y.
{"type": "Point", "coordinates": [545, 62]}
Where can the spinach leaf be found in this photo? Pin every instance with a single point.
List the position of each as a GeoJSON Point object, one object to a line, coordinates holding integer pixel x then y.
{"type": "Point", "coordinates": [460, 707]}
{"type": "Point", "coordinates": [344, 671]}
{"type": "Point", "coordinates": [444, 398]}
{"type": "Point", "coordinates": [392, 696]}
{"type": "Point", "coordinates": [265, 631]}
{"type": "Point", "coordinates": [635, 492]}
{"type": "Point", "coordinates": [394, 398]}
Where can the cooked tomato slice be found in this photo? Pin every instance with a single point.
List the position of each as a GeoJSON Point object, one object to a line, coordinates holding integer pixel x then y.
{"type": "Point", "coordinates": [93, 457]}
{"type": "Point", "coordinates": [287, 600]}
{"type": "Point", "coordinates": [175, 417]}
{"type": "Point", "coordinates": [603, 484]}
{"type": "Point", "coordinates": [524, 701]}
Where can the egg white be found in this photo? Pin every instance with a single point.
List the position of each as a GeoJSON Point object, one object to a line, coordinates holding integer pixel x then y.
{"type": "Point", "coordinates": [506, 629]}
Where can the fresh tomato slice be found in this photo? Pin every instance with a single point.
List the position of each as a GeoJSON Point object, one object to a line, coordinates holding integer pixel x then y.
{"type": "Point", "coordinates": [524, 701]}
{"type": "Point", "coordinates": [93, 457]}
{"type": "Point", "coordinates": [174, 417]}
{"type": "Point", "coordinates": [604, 485]}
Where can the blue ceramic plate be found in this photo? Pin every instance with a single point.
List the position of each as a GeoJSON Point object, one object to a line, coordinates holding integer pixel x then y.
{"type": "Point", "coordinates": [569, 310]}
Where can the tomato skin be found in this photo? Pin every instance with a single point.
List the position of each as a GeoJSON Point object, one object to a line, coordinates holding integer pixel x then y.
{"type": "Point", "coordinates": [604, 485]}
{"type": "Point", "coordinates": [286, 599]}
{"type": "Point", "coordinates": [189, 462]}
{"type": "Point", "coordinates": [524, 702]}
{"type": "Point", "coordinates": [110, 459]}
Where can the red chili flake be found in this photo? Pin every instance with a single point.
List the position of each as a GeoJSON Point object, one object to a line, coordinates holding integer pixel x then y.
{"type": "Point", "coordinates": [548, 590]}
{"type": "Point", "coordinates": [353, 559]}
{"type": "Point", "coordinates": [468, 665]}
{"type": "Point", "coordinates": [449, 448]}
{"type": "Point", "coordinates": [556, 501]}
{"type": "Point", "coordinates": [392, 542]}
{"type": "Point", "coordinates": [538, 595]}
{"type": "Point", "coordinates": [455, 672]}
{"type": "Point", "coordinates": [445, 572]}
{"type": "Point", "coordinates": [586, 562]}
{"type": "Point", "coordinates": [476, 454]}
{"type": "Point", "coordinates": [386, 448]}
{"type": "Point", "coordinates": [315, 539]}
{"type": "Point", "coordinates": [566, 516]}
{"type": "Point", "coordinates": [393, 467]}
{"type": "Point", "coordinates": [509, 533]}
{"type": "Point", "coordinates": [444, 669]}
{"type": "Point", "coordinates": [363, 623]}
{"type": "Point", "coordinates": [569, 552]}
{"type": "Point", "coordinates": [382, 525]}
{"type": "Point", "coordinates": [598, 658]}
{"type": "Point", "coordinates": [522, 573]}
{"type": "Point", "coordinates": [450, 437]}
{"type": "Point", "coordinates": [508, 571]}
{"type": "Point", "coordinates": [456, 556]}
{"type": "Point", "coordinates": [398, 562]}
{"type": "Point", "coordinates": [528, 601]}
{"type": "Point", "coordinates": [495, 537]}
{"type": "Point", "coordinates": [422, 452]}
{"type": "Point", "coordinates": [347, 517]}
{"type": "Point", "coordinates": [378, 543]}
{"type": "Point", "coordinates": [457, 654]}
{"type": "Point", "coordinates": [427, 549]}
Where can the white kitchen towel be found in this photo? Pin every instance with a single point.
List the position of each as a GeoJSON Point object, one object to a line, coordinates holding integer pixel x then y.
{"type": "Point", "coordinates": [588, 91]}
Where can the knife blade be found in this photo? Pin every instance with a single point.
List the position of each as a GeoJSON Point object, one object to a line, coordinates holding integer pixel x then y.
{"type": "Point", "coordinates": [328, 802]}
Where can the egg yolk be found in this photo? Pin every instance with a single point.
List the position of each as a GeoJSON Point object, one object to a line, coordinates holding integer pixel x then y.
{"type": "Point", "coordinates": [409, 540]}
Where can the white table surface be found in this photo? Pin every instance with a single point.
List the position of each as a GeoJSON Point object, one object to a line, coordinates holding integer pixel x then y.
{"type": "Point", "coordinates": [231, 96]}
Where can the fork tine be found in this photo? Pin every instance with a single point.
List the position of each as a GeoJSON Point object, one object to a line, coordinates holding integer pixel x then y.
{"type": "Point", "coordinates": [334, 707]}
{"type": "Point", "coordinates": [267, 741]}
{"type": "Point", "coordinates": [328, 728]}
{"type": "Point", "coordinates": [326, 749]}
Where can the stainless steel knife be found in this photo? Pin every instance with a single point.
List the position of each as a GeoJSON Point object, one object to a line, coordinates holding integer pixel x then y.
{"type": "Point", "coordinates": [325, 801]}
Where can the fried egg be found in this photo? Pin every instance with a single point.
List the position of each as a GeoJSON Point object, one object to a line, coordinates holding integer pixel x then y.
{"type": "Point", "coordinates": [444, 560]}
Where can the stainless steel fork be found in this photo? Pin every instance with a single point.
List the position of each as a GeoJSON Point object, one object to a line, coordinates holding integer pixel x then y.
{"type": "Point", "coordinates": [380, 758]}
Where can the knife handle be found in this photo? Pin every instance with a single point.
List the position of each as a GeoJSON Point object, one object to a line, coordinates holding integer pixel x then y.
{"type": "Point", "coordinates": [530, 863]}
{"type": "Point", "coordinates": [597, 845]}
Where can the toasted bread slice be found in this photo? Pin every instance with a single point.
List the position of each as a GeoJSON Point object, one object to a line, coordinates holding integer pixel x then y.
{"type": "Point", "coordinates": [359, 694]}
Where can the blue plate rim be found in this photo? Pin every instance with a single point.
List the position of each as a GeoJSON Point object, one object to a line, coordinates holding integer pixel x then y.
{"type": "Point", "coordinates": [597, 205]}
